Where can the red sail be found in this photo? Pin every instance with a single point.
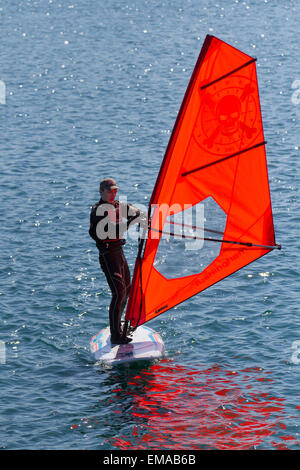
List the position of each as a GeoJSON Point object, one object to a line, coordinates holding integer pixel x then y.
{"type": "Point", "coordinates": [215, 158]}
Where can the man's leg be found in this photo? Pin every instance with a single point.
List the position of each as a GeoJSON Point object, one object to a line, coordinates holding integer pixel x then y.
{"type": "Point", "coordinates": [113, 266]}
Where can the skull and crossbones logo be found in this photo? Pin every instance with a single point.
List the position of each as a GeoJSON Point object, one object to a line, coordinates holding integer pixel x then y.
{"type": "Point", "coordinates": [228, 111]}
{"type": "Point", "coordinates": [223, 116]}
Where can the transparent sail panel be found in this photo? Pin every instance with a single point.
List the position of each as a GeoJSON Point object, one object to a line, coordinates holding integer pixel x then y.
{"type": "Point", "coordinates": [184, 248]}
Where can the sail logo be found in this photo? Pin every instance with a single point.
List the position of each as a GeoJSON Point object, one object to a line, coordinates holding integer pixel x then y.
{"type": "Point", "coordinates": [219, 268]}
{"type": "Point", "coordinates": [229, 116]}
{"type": "Point", "coordinates": [2, 92]}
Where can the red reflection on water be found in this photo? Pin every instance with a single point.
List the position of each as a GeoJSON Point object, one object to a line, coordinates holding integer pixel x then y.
{"type": "Point", "coordinates": [180, 408]}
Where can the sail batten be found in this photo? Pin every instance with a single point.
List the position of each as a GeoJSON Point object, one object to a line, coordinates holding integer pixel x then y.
{"type": "Point", "coordinates": [219, 131]}
{"type": "Point", "coordinates": [228, 74]}
{"type": "Point", "coordinates": [223, 159]}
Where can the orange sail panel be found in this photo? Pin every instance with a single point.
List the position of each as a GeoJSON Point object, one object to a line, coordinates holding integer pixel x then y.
{"type": "Point", "coordinates": [214, 165]}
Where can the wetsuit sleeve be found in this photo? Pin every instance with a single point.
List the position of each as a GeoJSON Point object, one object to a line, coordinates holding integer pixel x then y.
{"type": "Point", "coordinates": [92, 229]}
{"type": "Point", "coordinates": [135, 216]}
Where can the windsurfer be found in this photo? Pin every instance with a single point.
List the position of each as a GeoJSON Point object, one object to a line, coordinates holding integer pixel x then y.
{"type": "Point", "coordinates": [107, 229]}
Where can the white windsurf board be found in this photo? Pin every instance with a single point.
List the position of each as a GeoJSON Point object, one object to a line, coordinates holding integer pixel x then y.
{"type": "Point", "coordinates": [146, 344]}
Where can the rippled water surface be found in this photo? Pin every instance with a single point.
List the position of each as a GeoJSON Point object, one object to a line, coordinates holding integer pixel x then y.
{"type": "Point", "coordinates": [90, 89]}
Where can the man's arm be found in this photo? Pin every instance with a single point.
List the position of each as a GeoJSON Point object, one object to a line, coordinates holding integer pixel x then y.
{"type": "Point", "coordinates": [135, 216]}
{"type": "Point", "coordinates": [92, 229]}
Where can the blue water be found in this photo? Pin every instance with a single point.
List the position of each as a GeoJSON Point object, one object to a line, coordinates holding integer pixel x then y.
{"type": "Point", "coordinates": [92, 88]}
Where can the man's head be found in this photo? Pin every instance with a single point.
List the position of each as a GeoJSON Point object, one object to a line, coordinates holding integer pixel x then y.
{"type": "Point", "coordinates": [108, 189]}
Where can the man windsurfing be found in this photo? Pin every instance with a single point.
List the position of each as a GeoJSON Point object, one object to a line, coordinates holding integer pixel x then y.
{"type": "Point", "coordinates": [107, 228]}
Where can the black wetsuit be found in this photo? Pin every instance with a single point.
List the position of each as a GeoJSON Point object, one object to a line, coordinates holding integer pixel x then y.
{"type": "Point", "coordinates": [109, 241]}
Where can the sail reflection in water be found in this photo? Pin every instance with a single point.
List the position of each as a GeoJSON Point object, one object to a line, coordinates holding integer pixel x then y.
{"type": "Point", "coordinates": [183, 408]}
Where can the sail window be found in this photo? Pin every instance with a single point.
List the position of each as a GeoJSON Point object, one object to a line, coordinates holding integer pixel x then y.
{"type": "Point", "coordinates": [186, 245]}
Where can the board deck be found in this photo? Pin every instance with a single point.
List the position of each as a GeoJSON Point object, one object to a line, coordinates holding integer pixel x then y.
{"type": "Point", "coordinates": [146, 344]}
